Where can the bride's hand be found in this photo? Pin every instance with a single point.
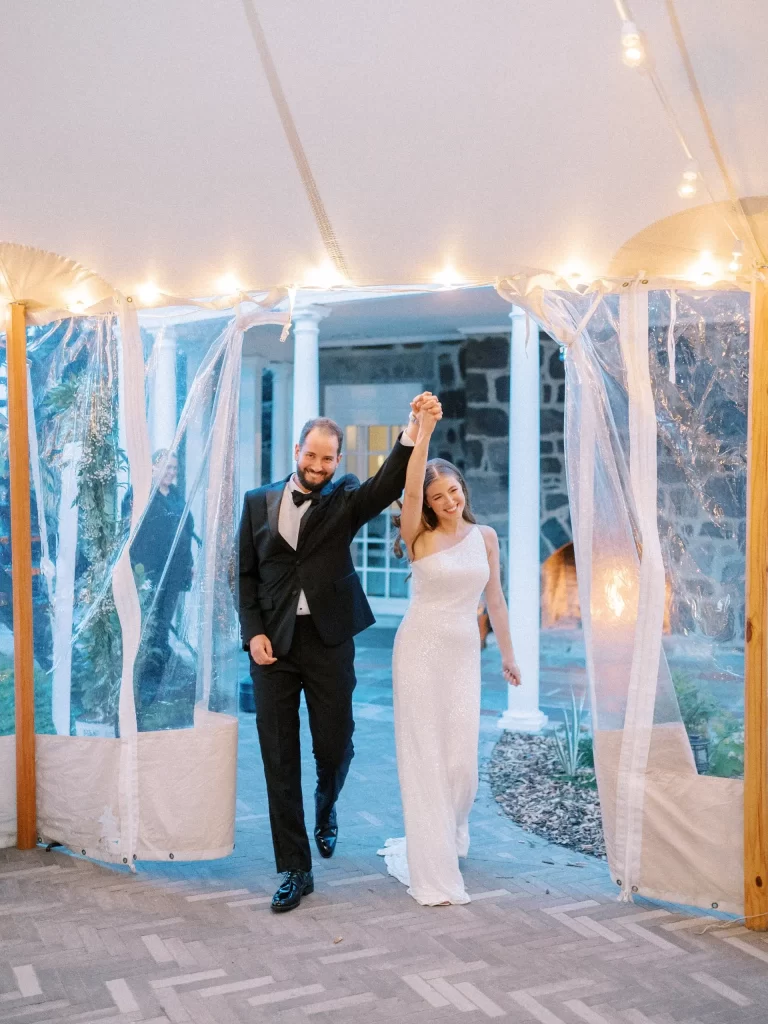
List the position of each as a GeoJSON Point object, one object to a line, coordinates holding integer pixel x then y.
{"type": "Point", "coordinates": [418, 401]}
{"type": "Point", "coordinates": [429, 414]}
{"type": "Point", "coordinates": [511, 671]}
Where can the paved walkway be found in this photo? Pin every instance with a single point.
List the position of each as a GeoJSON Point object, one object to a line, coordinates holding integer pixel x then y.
{"type": "Point", "coordinates": [544, 939]}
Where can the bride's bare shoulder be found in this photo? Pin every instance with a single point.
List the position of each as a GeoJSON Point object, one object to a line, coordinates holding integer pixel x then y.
{"type": "Point", "coordinates": [490, 537]}
{"type": "Point", "coordinates": [420, 545]}
{"type": "Point", "coordinates": [489, 534]}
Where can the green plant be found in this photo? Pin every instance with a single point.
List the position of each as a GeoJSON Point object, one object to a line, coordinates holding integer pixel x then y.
{"type": "Point", "coordinates": [43, 721]}
{"type": "Point", "coordinates": [568, 744]}
{"type": "Point", "coordinates": [696, 708]}
{"type": "Point", "coordinates": [587, 752]}
{"type": "Point", "coordinates": [727, 757]}
{"type": "Point", "coordinates": [100, 636]}
{"type": "Point", "coordinates": [83, 408]}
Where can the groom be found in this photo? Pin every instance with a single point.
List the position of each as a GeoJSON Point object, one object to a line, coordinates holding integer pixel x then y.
{"type": "Point", "coordinates": [301, 603]}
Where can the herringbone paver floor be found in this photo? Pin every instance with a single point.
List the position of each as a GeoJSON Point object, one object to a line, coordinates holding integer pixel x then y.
{"type": "Point", "coordinates": [541, 942]}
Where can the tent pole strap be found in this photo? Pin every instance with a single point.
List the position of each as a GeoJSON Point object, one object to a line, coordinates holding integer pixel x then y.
{"type": "Point", "coordinates": [756, 648]}
{"type": "Point", "coordinates": [21, 541]}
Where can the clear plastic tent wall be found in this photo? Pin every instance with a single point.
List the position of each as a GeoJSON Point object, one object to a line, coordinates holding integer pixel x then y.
{"type": "Point", "coordinates": [133, 454]}
{"type": "Point", "coordinates": [656, 443]}
{"type": "Point", "coordinates": [7, 704]}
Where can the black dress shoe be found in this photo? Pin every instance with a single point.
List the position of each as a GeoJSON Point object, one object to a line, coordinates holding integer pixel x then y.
{"type": "Point", "coordinates": [294, 885]}
{"type": "Point", "coordinates": [325, 837]}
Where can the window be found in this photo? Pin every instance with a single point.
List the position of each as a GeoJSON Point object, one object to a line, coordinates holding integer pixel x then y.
{"type": "Point", "coordinates": [383, 575]}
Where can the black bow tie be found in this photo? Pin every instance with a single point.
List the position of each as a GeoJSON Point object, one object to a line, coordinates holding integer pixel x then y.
{"type": "Point", "coordinates": [299, 497]}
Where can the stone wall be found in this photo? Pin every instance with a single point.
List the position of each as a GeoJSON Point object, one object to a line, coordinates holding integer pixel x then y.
{"type": "Point", "coordinates": [702, 460]}
{"type": "Point", "coordinates": [555, 513]}
{"type": "Point", "coordinates": [472, 378]}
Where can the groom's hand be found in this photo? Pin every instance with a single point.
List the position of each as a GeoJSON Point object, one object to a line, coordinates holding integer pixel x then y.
{"type": "Point", "coordinates": [261, 650]}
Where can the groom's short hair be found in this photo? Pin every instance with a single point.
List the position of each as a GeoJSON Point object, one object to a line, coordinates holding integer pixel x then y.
{"type": "Point", "coordinates": [326, 425]}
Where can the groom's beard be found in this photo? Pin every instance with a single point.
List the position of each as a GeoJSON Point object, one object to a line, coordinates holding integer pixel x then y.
{"type": "Point", "coordinates": [315, 484]}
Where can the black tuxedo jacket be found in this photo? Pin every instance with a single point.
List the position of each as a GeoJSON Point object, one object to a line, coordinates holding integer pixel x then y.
{"type": "Point", "coordinates": [272, 574]}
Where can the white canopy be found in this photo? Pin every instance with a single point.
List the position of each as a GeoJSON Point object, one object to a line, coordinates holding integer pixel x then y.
{"type": "Point", "coordinates": [141, 139]}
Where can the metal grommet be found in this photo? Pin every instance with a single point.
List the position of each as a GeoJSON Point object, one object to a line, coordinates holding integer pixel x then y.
{"type": "Point", "coordinates": [171, 856]}
{"type": "Point", "coordinates": [129, 298]}
{"type": "Point", "coordinates": [125, 860]}
{"type": "Point", "coordinates": [634, 888]}
{"type": "Point", "coordinates": [618, 882]}
{"type": "Point", "coordinates": [83, 852]}
{"type": "Point", "coordinates": [625, 285]}
{"type": "Point", "coordinates": [715, 906]}
{"type": "Point", "coordinates": [134, 856]}
{"type": "Point", "coordinates": [644, 281]}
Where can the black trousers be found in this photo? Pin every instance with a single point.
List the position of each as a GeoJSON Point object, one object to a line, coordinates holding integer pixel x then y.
{"type": "Point", "coordinates": [327, 676]}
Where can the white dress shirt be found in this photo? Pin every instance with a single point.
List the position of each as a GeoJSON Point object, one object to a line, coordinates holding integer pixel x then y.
{"type": "Point", "coordinates": [289, 521]}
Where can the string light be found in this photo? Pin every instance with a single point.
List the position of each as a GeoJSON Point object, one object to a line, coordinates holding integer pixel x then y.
{"type": "Point", "coordinates": [636, 54]}
{"type": "Point", "coordinates": [704, 273]}
{"type": "Point", "coordinates": [326, 276]}
{"type": "Point", "coordinates": [77, 302]}
{"type": "Point", "coordinates": [148, 293]}
{"type": "Point", "coordinates": [632, 49]}
{"type": "Point", "coordinates": [574, 272]}
{"type": "Point", "coordinates": [229, 284]}
{"type": "Point", "coordinates": [448, 277]}
{"type": "Point", "coordinates": [738, 254]}
{"type": "Point", "coordinates": [689, 184]}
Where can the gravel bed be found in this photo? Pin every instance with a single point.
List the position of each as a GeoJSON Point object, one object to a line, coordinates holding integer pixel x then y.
{"type": "Point", "coordinates": [527, 783]}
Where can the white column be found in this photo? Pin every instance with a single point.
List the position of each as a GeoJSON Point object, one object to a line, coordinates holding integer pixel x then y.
{"type": "Point", "coordinates": [164, 391]}
{"type": "Point", "coordinates": [523, 569]}
{"type": "Point", "coordinates": [196, 433]}
{"type": "Point", "coordinates": [306, 366]}
{"type": "Point", "coordinates": [64, 594]}
{"type": "Point", "coordinates": [282, 420]}
{"type": "Point", "coordinates": [250, 423]}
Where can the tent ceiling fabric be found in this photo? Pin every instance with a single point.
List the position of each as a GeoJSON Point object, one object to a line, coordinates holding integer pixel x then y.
{"type": "Point", "coordinates": [141, 139]}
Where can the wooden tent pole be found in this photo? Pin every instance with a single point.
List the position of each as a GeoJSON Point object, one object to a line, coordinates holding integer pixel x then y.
{"type": "Point", "coordinates": [756, 649]}
{"type": "Point", "coordinates": [21, 574]}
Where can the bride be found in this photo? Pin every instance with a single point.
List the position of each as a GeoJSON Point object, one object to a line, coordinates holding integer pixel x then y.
{"type": "Point", "coordinates": [436, 673]}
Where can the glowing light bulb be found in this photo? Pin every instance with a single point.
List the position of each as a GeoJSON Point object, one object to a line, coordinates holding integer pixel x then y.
{"type": "Point", "coordinates": [77, 302]}
{"type": "Point", "coordinates": [326, 276]}
{"type": "Point", "coordinates": [448, 277]}
{"type": "Point", "coordinates": [574, 272]}
{"type": "Point", "coordinates": [148, 293]}
{"type": "Point", "coordinates": [228, 284]}
{"type": "Point", "coordinates": [738, 254]}
{"type": "Point", "coordinates": [632, 49]}
{"type": "Point", "coordinates": [689, 183]}
{"type": "Point", "coordinates": [706, 272]}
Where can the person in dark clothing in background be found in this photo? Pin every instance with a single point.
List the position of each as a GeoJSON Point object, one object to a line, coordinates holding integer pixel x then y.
{"type": "Point", "coordinates": [167, 570]}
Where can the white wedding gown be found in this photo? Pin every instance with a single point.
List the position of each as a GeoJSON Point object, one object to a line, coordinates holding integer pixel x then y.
{"type": "Point", "coordinates": [436, 682]}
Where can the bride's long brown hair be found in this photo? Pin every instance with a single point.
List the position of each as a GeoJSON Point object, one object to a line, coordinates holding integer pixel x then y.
{"type": "Point", "coordinates": [435, 468]}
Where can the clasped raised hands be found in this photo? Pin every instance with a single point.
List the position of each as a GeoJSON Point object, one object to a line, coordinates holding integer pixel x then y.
{"type": "Point", "coordinates": [428, 411]}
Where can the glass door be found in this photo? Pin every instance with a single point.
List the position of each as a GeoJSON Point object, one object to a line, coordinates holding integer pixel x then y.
{"type": "Point", "coordinates": [383, 575]}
